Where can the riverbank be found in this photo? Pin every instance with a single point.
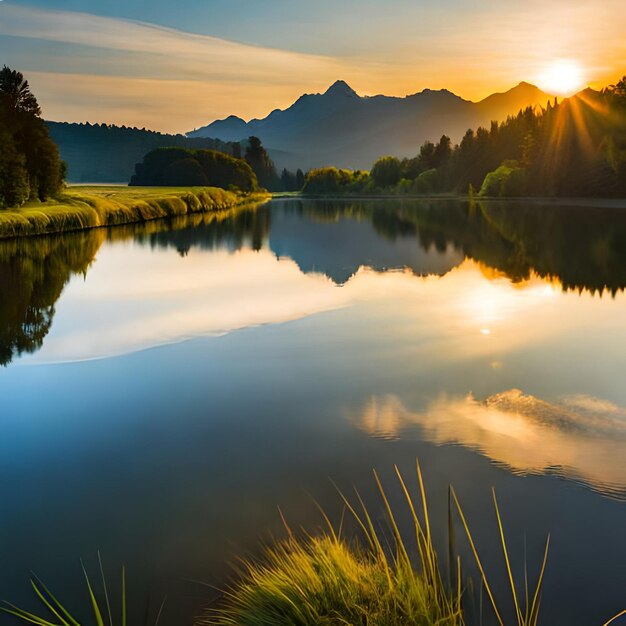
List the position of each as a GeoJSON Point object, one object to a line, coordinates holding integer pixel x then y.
{"type": "Point", "coordinates": [81, 208]}
{"type": "Point", "coordinates": [595, 202]}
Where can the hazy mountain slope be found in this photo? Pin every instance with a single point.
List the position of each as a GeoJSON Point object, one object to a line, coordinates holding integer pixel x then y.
{"type": "Point", "coordinates": [341, 128]}
{"type": "Point", "coordinates": [101, 153]}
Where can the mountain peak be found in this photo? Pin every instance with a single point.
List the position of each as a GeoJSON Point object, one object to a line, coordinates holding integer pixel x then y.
{"type": "Point", "coordinates": [341, 88]}
{"type": "Point", "coordinates": [527, 86]}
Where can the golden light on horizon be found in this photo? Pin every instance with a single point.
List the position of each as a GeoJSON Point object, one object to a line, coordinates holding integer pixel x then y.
{"type": "Point", "coordinates": [563, 77]}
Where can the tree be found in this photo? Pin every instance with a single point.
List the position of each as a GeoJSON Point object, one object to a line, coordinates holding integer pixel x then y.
{"type": "Point", "coordinates": [15, 93]}
{"type": "Point", "coordinates": [183, 173]}
{"type": "Point", "coordinates": [442, 152]}
{"type": "Point", "coordinates": [29, 158]}
{"type": "Point", "coordinates": [299, 180]}
{"type": "Point", "coordinates": [386, 171]}
{"type": "Point", "coordinates": [259, 160]}
{"type": "Point", "coordinates": [14, 186]}
{"type": "Point", "coordinates": [288, 181]}
{"type": "Point", "coordinates": [617, 92]}
{"type": "Point", "coordinates": [330, 180]}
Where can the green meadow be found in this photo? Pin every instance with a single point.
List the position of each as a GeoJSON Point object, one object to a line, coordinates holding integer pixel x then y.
{"type": "Point", "coordinates": [79, 208]}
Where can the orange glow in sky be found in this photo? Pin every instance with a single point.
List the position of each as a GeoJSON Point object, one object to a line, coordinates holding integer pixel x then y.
{"type": "Point", "coordinates": [108, 68]}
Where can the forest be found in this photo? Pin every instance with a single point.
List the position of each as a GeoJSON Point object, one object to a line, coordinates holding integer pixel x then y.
{"type": "Point", "coordinates": [107, 153]}
{"type": "Point", "coordinates": [573, 148]}
{"type": "Point", "coordinates": [30, 166]}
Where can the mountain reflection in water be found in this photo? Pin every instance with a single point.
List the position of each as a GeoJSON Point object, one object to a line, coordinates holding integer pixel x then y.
{"type": "Point", "coordinates": [367, 333]}
{"type": "Point", "coordinates": [576, 248]}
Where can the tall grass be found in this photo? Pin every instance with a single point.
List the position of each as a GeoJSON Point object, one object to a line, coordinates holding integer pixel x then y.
{"type": "Point", "coordinates": [91, 207]}
{"type": "Point", "coordinates": [330, 580]}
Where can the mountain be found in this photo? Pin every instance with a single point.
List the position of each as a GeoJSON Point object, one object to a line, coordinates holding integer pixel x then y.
{"type": "Point", "coordinates": [341, 128]}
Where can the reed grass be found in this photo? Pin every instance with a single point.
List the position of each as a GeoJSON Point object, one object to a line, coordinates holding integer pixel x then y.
{"type": "Point", "coordinates": [82, 208]}
{"type": "Point", "coordinates": [328, 579]}
{"type": "Point", "coordinates": [58, 615]}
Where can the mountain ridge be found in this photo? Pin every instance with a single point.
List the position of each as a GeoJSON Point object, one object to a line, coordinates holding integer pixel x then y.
{"type": "Point", "coordinates": [342, 128]}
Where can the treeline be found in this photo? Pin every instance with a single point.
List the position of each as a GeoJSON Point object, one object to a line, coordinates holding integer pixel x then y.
{"type": "Point", "coordinates": [30, 166]}
{"type": "Point", "coordinates": [107, 153]}
{"type": "Point", "coordinates": [573, 148]}
{"type": "Point", "coordinates": [180, 167]}
{"type": "Point", "coordinates": [259, 160]}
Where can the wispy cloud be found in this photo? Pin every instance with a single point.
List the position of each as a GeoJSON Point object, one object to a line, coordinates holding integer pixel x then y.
{"type": "Point", "coordinates": [578, 437]}
{"type": "Point", "coordinates": [88, 67]}
{"type": "Point", "coordinates": [196, 76]}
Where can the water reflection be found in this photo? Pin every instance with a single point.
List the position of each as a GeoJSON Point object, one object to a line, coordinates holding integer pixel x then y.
{"type": "Point", "coordinates": [575, 247]}
{"type": "Point", "coordinates": [416, 321]}
{"type": "Point", "coordinates": [578, 437]}
{"type": "Point", "coordinates": [33, 273]}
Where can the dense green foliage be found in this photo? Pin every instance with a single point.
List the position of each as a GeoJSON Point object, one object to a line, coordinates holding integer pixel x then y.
{"type": "Point", "coordinates": [107, 154]}
{"type": "Point", "coordinates": [386, 172]}
{"type": "Point", "coordinates": [30, 166]}
{"type": "Point", "coordinates": [181, 167]}
{"type": "Point", "coordinates": [331, 180]}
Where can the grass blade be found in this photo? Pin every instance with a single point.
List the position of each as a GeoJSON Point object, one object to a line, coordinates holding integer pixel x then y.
{"type": "Point", "coordinates": [534, 610]}
{"type": "Point", "coordinates": [123, 595]}
{"type": "Point", "coordinates": [106, 592]}
{"type": "Point", "coordinates": [156, 623]}
{"type": "Point", "coordinates": [61, 608]}
{"type": "Point", "coordinates": [475, 552]}
{"type": "Point", "coordinates": [518, 611]}
{"type": "Point", "coordinates": [51, 608]}
{"type": "Point", "coordinates": [25, 615]}
{"type": "Point", "coordinates": [94, 602]}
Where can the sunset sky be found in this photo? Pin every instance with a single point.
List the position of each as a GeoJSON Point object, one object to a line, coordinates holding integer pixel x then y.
{"type": "Point", "coordinates": [173, 66]}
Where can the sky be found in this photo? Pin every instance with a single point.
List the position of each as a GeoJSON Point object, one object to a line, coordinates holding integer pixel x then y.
{"type": "Point", "coordinates": [174, 66]}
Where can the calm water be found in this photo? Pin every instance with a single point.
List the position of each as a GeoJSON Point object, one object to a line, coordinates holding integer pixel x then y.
{"type": "Point", "coordinates": [166, 388]}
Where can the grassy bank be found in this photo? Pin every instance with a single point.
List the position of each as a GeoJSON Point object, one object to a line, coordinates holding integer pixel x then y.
{"type": "Point", "coordinates": [81, 208]}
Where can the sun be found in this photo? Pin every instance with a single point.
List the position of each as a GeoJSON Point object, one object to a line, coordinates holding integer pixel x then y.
{"type": "Point", "coordinates": [563, 77]}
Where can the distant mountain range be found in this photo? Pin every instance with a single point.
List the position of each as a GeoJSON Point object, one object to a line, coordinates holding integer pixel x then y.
{"type": "Point", "coordinates": [341, 128]}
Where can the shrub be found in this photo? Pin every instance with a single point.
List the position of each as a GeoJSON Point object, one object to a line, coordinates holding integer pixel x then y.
{"type": "Point", "coordinates": [329, 180]}
{"type": "Point", "coordinates": [508, 180]}
{"type": "Point", "coordinates": [386, 171]}
{"type": "Point", "coordinates": [427, 182]}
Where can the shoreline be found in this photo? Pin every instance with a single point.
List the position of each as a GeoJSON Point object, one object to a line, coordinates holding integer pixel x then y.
{"type": "Point", "coordinates": [596, 202]}
{"type": "Point", "coordinates": [85, 208]}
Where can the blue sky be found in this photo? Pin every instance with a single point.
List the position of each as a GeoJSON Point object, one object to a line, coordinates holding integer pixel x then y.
{"type": "Point", "coordinates": [176, 65]}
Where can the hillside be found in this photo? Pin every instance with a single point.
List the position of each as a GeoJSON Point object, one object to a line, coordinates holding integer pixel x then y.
{"type": "Point", "coordinates": [100, 153]}
{"type": "Point", "coordinates": [341, 128]}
